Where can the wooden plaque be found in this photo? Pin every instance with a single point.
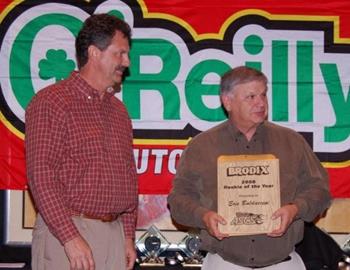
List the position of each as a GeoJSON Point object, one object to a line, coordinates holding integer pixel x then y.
{"type": "Point", "coordinates": [248, 193]}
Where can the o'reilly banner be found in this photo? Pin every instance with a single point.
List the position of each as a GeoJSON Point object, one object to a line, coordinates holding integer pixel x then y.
{"type": "Point", "coordinates": [172, 89]}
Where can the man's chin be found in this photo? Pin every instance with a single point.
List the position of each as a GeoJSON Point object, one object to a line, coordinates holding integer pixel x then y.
{"type": "Point", "coordinates": [259, 120]}
{"type": "Point", "coordinates": [117, 81]}
{"type": "Point", "coordinates": [260, 116]}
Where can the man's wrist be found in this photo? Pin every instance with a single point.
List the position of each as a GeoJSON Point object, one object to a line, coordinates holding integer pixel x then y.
{"type": "Point", "coordinates": [296, 210]}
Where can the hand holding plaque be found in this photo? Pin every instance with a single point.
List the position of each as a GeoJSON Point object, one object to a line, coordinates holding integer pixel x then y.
{"type": "Point", "coordinates": [248, 193]}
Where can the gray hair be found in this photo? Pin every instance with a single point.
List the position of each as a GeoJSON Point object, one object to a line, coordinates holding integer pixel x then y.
{"type": "Point", "coordinates": [239, 75]}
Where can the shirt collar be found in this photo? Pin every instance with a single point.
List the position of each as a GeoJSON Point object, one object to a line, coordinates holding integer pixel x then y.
{"type": "Point", "coordinates": [237, 133]}
{"type": "Point", "coordinates": [84, 88]}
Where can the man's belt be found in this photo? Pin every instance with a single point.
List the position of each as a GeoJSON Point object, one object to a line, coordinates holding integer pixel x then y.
{"type": "Point", "coordinates": [103, 218]}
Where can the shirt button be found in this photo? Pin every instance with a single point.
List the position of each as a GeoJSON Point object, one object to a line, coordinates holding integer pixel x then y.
{"type": "Point", "coordinates": [251, 259]}
{"type": "Point", "coordinates": [247, 147]}
{"type": "Point", "coordinates": [89, 97]}
{"type": "Point", "coordinates": [253, 240]}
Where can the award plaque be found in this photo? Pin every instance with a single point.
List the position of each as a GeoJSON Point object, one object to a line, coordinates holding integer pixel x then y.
{"type": "Point", "coordinates": [248, 193]}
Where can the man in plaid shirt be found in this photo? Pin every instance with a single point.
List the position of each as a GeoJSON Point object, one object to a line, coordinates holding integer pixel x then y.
{"type": "Point", "coordinates": [80, 162]}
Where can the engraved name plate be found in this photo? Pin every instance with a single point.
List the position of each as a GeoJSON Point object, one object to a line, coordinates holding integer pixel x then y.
{"type": "Point", "coordinates": [248, 193]}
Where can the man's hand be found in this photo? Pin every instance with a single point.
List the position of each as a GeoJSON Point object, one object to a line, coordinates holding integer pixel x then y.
{"type": "Point", "coordinates": [211, 220]}
{"type": "Point", "coordinates": [287, 214]}
{"type": "Point", "coordinates": [79, 254]}
{"type": "Point", "coordinates": [130, 253]}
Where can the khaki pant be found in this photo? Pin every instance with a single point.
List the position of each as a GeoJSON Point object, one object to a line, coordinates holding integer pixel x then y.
{"type": "Point", "coordinates": [106, 240]}
{"type": "Point", "coordinates": [214, 261]}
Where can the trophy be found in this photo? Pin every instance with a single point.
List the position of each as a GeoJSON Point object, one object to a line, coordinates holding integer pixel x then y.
{"type": "Point", "coordinates": [151, 244]}
{"type": "Point", "coordinates": [189, 245]}
{"type": "Point", "coordinates": [344, 263]}
{"type": "Point", "coordinates": [346, 246]}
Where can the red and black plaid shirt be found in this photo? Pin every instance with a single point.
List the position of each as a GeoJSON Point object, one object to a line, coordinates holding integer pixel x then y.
{"type": "Point", "coordinates": [79, 156]}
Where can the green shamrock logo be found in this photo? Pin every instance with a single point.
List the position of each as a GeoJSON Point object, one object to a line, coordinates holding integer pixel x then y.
{"type": "Point", "coordinates": [56, 65]}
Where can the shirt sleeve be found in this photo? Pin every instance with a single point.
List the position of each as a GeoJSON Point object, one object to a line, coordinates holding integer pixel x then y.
{"type": "Point", "coordinates": [313, 195]}
{"type": "Point", "coordinates": [184, 198]}
{"type": "Point", "coordinates": [44, 141]}
{"type": "Point", "coordinates": [130, 217]}
{"type": "Point", "coordinates": [129, 224]}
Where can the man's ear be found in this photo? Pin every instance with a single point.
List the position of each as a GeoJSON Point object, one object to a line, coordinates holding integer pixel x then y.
{"type": "Point", "coordinates": [226, 101]}
{"type": "Point", "coordinates": [93, 52]}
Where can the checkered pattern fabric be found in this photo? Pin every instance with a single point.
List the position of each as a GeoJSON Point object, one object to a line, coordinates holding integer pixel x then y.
{"type": "Point", "coordinates": [79, 156]}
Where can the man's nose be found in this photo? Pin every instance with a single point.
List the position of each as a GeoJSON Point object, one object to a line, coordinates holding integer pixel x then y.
{"type": "Point", "coordinates": [126, 61]}
{"type": "Point", "coordinates": [261, 99]}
